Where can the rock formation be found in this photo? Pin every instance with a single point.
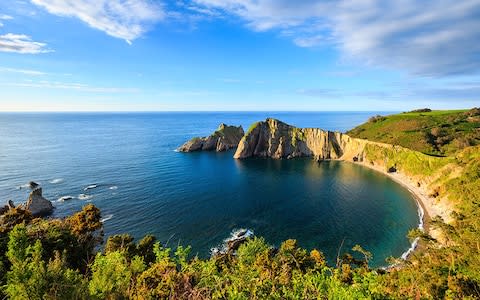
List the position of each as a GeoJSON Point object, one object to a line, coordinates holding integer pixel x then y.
{"type": "Point", "coordinates": [37, 204]}
{"type": "Point", "coordinates": [224, 138]}
{"type": "Point", "coordinates": [275, 139]}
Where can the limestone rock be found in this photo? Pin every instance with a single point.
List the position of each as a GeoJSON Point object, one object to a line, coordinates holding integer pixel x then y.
{"type": "Point", "coordinates": [275, 139]}
{"type": "Point", "coordinates": [224, 138]}
{"type": "Point", "coordinates": [37, 204]}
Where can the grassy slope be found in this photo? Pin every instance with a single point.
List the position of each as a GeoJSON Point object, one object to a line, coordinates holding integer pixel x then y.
{"type": "Point", "coordinates": [452, 270]}
{"type": "Point", "coordinates": [435, 133]}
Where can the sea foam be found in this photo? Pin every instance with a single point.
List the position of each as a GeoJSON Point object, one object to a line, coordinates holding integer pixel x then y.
{"type": "Point", "coordinates": [107, 217]}
{"type": "Point", "coordinates": [234, 235]}
{"type": "Point", "coordinates": [56, 180]}
{"type": "Point", "coordinates": [84, 197]}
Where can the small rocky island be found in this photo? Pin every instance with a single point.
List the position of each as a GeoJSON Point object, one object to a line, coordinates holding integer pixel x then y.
{"type": "Point", "coordinates": [36, 204]}
{"type": "Point", "coordinates": [224, 138]}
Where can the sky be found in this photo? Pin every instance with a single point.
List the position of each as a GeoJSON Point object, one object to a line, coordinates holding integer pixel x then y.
{"type": "Point", "coordinates": [239, 55]}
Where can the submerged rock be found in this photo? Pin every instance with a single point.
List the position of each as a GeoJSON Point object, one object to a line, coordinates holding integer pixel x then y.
{"type": "Point", "coordinates": [33, 185]}
{"type": "Point", "coordinates": [233, 242]}
{"type": "Point", "coordinates": [224, 138]}
{"type": "Point", "coordinates": [37, 204]}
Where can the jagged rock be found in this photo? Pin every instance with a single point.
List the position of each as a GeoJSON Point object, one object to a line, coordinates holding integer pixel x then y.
{"type": "Point", "coordinates": [275, 139]}
{"type": "Point", "coordinates": [392, 170]}
{"type": "Point", "coordinates": [37, 204]}
{"type": "Point", "coordinates": [224, 138]}
{"type": "Point", "coordinates": [7, 207]}
{"type": "Point", "coordinates": [234, 244]}
{"type": "Point", "coordinates": [33, 185]}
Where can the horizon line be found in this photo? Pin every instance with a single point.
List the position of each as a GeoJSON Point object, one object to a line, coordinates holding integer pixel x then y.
{"type": "Point", "coordinates": [205, 111]}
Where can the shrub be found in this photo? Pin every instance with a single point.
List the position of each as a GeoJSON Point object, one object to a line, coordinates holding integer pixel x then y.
{"type": "Point", "coordinates": [377, 118]}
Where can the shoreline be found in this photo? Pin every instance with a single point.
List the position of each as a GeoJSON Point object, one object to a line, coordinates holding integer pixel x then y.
{"type": "Point", "coordinates": [426, 208]}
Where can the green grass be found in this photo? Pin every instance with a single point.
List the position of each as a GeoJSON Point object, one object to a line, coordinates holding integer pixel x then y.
{"type": "Point", "coordinates": [434, 112]}
{"type": "Point", "coordinates": [409, 162]}
{"type": "Point", "coordinates": [440, 133]}
{"type": "Point", "coordinates": [252, 127]}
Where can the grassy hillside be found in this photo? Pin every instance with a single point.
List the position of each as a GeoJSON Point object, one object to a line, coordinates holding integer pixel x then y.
{"type": "Point", "coordinates": [434, 132]}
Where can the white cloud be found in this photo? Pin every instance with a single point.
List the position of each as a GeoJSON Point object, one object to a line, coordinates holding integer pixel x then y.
{"type": "Point", "coordinates": [3, 18]}
{"type": "Point", "coordinates": [21, 43]}
{"type": "Point", "coordinates": [267, 14]}
{"type": "Point", "coordinates": [124, 19]}
{"type": "Point", "coordinates": [22, 71]}
{"type": "Point", "coordinates": [430, 37]}
{"type": "Point", "coordinates": [70, 86]}
{"type": "Point", "coordinates": [6, 17]}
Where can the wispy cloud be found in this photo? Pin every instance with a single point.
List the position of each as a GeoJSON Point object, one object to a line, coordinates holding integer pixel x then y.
{"type": "Point", "coordinates": [342, 73]}
{"type": "Point", "coordinates": [124, 19]}
{"type": "Point", "coordinates": [186, 94]}
{"type": "Point", "coordinates": [22, 71]}
{"type": "Point", "coordinates": [230, 80]}
{"type": "Point", "coordinates": [6, 17]}
{"type": "Point", "coordinates": [448, 91]}
{"type": "Point", "coordinates": [3, 18]}
{"type": "Point", "coordinates": [70, 86]}
{"type": "Point", "coordinates": [21, 43]}
{"type": "Point", "coordinates": [428, 38]}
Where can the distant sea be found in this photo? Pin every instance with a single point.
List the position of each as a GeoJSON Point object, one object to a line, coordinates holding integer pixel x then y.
{"type": "Point", "coordinates": [198, 199]}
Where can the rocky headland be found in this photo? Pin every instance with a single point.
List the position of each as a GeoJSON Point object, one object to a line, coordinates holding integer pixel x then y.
{"type": "Point", "coordinates": [224, 138]}
{"type": "Point", "coordinates": [418, 172]}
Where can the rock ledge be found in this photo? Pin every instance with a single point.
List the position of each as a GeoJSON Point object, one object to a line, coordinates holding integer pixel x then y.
{"type": "Point", "coordinates": [224, 138]}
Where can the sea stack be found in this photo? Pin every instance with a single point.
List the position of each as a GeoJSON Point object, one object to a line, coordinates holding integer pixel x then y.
{"type": "Point", "coordinates": [37, 204]}
{"type": "Point", "coordinates": [224, 138]}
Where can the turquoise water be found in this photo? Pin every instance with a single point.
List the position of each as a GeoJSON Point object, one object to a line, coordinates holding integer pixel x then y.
{"type": "Point", "coordinates": [200, 198]}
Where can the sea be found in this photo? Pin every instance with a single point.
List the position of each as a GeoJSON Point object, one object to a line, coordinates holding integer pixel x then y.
{"type": "Point", "coordinates": [143, 186]}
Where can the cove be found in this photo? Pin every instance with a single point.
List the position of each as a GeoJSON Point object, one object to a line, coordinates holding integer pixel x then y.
{"type": "Point", "coordinates": [318, 204]}
{"type": "Point", "coordinates": [198, 199]}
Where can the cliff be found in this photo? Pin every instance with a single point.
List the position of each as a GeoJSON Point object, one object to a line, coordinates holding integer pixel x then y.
{"type": "Point", "coordinates": [419, 172]}
{"type": "Point", "coordinates": [275, 139]}
{"type": "Point", "coordinates": [224, 138]}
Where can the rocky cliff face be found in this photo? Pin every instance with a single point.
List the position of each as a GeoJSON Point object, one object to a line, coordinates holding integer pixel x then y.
{"type": "Point", "coordinates": [37, 204]}
{"type": "Point", "coordinates": [224, 138]}
{"type": "Point", "coordinates": [275, 139]}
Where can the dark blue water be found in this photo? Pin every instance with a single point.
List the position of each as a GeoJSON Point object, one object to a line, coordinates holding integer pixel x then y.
{"type": "Point", "coordinates": [199, 198]}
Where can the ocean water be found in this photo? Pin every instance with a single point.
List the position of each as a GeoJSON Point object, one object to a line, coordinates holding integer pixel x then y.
{"type": "Point", "coordinates": [144, 186]}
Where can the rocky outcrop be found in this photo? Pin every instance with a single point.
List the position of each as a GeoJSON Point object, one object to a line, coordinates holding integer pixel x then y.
{"type": "Point", "coordinates": [275, 139]}
{"type": "Point", "coordinates": [224, 138]}
{"type": "Point", "coordinates": [37, 204]}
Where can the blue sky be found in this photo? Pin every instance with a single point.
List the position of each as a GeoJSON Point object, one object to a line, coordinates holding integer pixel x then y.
{"type": "Point", "coordinates": [141, 55]}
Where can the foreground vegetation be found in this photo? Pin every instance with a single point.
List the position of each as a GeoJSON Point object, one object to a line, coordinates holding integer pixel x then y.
{"type": "Point", "coordinates": [66, 259]}
{"type": "Point", "coordinates": [55, 259]}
